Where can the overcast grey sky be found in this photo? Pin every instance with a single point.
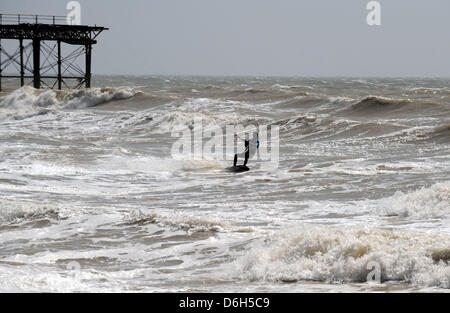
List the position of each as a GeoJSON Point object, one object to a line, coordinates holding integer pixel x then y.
{"type": "Point", "coordinates": [262, 37]}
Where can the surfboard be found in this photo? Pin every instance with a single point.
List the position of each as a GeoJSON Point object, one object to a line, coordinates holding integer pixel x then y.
{"type": "Point", "coordinates": [237, 169]}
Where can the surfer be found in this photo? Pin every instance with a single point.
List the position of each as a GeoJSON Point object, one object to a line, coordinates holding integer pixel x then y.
{"type": "Point", "coordinates": [241, 168]}
{"type": "Point", "coordinates": [246, 153]}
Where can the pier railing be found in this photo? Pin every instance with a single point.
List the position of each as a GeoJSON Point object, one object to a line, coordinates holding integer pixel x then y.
{"type": "Point", "coordinates": [8, 19]}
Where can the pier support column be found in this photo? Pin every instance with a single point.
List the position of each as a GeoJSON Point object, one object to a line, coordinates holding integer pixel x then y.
{"type": "Point", "coordinates": [87, 77]}
{"type": "Point", "coordinates": [22, 72]}
{"type": "Point", "coordinates": [0, 61]}
{"type": "Point", "coordinates": [0, 57]}
{"type": "Point", "coordinates": [59, 65]}
{"type": "Point", "coordinates": [36, 63]}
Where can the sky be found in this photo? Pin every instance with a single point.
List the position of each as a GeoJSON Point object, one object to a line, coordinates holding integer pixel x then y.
{"type": "Point", "coordinates": [311, 38]}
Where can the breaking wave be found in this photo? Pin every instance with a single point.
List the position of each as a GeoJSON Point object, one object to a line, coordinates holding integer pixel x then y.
{"type": "Point", "coordinates": [27, 101]}
{"type": "Point", "coordinates": [332, 254]}
{"type": "Point", "coordinates": [16, 212]}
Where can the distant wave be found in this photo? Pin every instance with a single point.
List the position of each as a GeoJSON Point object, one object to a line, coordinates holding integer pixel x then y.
{"type": "Point", "coordinates": [291, 87]}
{"type": "Point", "coordinates": [318, 126]}
{"type": "Point", "coordinates": [256, 90]}
{"type": "Point", "coordinates": [186, 223]}
{"type": "Point", "coordinates": [311, 126]}
{"type": "Point", "coordinates": [296, 119]}
{"type": "Point", "coordinates": [300, 100]}
{"type": "Point", "coordinates": [346, 254]}
{"type": "Point", "coordinates": [430, 91]}
{"type": "Point", "coordinates": [372, 103]}
{"type": "Point", "coordinates": [298, 90]}
{"type": "Point", "coordinates": [180, 121]}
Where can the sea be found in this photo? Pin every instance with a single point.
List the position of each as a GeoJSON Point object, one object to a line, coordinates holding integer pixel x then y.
{"type": "Point", "coordinates": [94, 199]}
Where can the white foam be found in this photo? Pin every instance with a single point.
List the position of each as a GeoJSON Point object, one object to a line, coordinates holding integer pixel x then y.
{"type": "Point", "coordinates": [120, 164]}
{"type": "Point", "coordinates": [428, 202]}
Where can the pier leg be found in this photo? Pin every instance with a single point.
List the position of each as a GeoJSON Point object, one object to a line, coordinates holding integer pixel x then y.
{"type": "Point", "coordinates": [59, 65]}
{"type": "Point", "coordinates": [36, 63]}
{"type": "Point", "coordinates": [22, 72]}
{"type": "Point", "coordinates": [0, 63]}
{"type": "Point", "coordinates": [88, 66]}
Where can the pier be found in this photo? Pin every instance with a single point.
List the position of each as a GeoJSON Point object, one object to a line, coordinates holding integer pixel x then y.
{"type": "Point", "coordinates": [40, 60]}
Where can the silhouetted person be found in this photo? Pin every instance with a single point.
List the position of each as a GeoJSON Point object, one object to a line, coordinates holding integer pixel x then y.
{"type": "Point", "coordinates": [246, 154]}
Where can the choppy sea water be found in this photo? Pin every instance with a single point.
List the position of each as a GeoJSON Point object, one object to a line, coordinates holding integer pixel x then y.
{"type": "Point", "coordinates": [91, 198]}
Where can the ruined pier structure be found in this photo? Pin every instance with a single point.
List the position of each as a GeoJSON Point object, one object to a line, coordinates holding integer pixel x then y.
{"type": "Point", "coordinates": [38, 60]}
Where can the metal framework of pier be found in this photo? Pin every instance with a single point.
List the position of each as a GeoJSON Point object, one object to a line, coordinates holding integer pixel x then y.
{"type": "Point", "coordinates": [41, 58]}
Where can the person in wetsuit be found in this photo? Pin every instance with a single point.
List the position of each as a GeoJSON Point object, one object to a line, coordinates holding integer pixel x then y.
{"type": "Point", "coordinates": [246, 151]}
